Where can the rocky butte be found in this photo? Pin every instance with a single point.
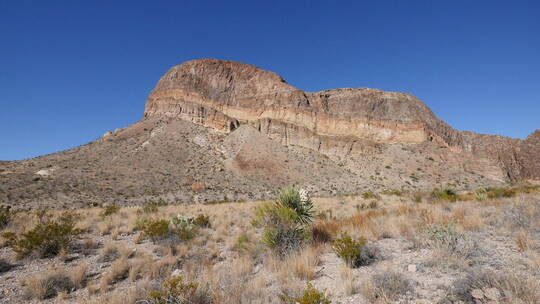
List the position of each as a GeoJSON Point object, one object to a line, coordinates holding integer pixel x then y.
{"type": "Point", "coordinates": [224, 95]}
{"type": "Point", "coordinates": [221, 130]}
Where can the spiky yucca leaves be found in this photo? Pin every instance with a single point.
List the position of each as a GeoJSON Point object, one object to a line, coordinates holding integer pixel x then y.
{"type": "Point", "coordinates": [285, 221]}
{"type": "Point", "coordinates": [298, 201]}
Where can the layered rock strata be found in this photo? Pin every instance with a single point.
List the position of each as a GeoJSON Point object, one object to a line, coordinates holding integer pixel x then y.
{"type": "Point", "coordinates": [224, 94]}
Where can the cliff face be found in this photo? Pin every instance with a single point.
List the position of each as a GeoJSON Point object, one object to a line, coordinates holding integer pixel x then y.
{"type": "Point", "coordinates": [225, 94]}
{"type": "Point", "coordinates": [529, 156]}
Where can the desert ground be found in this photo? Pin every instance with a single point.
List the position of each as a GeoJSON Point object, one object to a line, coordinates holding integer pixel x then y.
{"type": "Point", "coordinates": [442, 246]}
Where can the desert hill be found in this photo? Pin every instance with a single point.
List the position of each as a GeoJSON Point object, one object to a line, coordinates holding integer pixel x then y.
{"type": "Point", "coordinates": [218, 130]}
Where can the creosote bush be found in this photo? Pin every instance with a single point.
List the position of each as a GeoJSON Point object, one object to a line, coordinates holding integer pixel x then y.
{"type": "Point", "coordinates": [177, 290]}
{"type": "Point", "coordinates": [154, 229]}
{"type": "Point", "coordinates": [46, 239]}
{"type": "Point", "coordinates": [110, 210]}
{"type": "Point", "coordinates": [355, 253]}
{"type": "Point", "coordinates": [311, 296]}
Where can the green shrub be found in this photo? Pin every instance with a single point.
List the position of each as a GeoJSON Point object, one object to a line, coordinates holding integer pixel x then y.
{"type": "Point", "coordinates": [370, 195]}
{"type": "Point", "coordinates": [47, 238]}
{"type": "Point", "coordinates": [350, 250]}
{"type": "Point", "coordinates": [447, 194]}
{"type": "Point", "coordinates": [202, 221]}
{"type": "Point", "coordinates": [110, 210]}
{"type": "Point", "coordinates": [500, 192]}
{"type": "Point", "coordinates": [311, 296]}
{"type": "Point", "coordinates": [417, 197]}
{"type": "Point", "coordinates": [176, 290]}
{"type": "Point", "coordinates": [5, 216]}
{"type": "Point", "coordinates": [154, 229]}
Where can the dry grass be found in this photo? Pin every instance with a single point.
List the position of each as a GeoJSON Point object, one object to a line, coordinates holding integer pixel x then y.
{"type": "Point", "coordinates": [348, 281]}
{"type": "Point", "coordinates": [523, 240]}
{"type": "Point", "coordinates": [229, 259]}
{"type": "Point", "coordinates": [48, 284]}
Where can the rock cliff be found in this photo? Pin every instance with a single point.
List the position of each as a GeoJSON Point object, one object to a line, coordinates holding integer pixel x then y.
{"type": "Point", "coordinates": [225, 94]}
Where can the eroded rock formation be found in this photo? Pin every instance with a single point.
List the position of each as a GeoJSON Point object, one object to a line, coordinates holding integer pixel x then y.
{"type": "Point", "coordinates": [225, 94]}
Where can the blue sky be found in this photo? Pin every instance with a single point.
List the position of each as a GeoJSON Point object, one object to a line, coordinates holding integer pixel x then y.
{"type": "Point", "coordinates": [71, 70]}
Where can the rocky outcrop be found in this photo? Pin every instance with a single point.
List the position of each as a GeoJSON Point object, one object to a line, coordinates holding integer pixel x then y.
{"type": "Point", "coordinates": [529, 156]}
{"type": "Point", "coordinates": [225, 94]}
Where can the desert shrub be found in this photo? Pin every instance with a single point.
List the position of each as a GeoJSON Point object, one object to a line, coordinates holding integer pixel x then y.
{"type": "Point", "coordinates": [311, 295]}
{"type": "Point", "coordinates": [184, 227]}
{"type": "Point", "coordinates": [370, 195]}
{"type": "Point", "coordinates": [355, 253]}
{"type": "Point", "coordinates": [395, 192]}
{"type": "Point", "coordinates": [285, 221]}
{"type": "Point", "coordinates": [154, 229]}
{"type": "Point", "coordinates": [495, 286]}
{"type": "Point", "coordinates": [47, 238]}
{"type": "Point", "coordinates": [5, 216]}
{"type": "Point", "coordinates": [500, 192]}
{"type": "Point", "coordinates": [387, 287]}
{"type": "Point", "coordinates": [447, 194]}
{"type": "Point", "coordinates": [202, 221]}
{"type": "Point", "coordinates": [147, 208]}
{"type": "Point", "coordinates": [176, 290]}
{"type": "Point", "coordinates": [451, 240]}
{"type": "Point", "coordinates": [48, 285]}
{"type": "Point", "coordinates": [109, 210]}
{"type": "Point", "coordinates": [417, 197]}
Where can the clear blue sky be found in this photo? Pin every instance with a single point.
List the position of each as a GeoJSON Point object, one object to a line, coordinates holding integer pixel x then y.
{"type": "Point", "coordinates": [71, 70]}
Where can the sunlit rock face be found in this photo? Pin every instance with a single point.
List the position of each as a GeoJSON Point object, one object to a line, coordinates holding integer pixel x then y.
{"type": "Point", "coordinates": [225, 94]}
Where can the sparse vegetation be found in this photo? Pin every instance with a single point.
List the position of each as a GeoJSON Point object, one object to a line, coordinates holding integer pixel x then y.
{"type": "Point", "coordinates": [285, 220]}
{"type": "Point", "coordinates": [48, 284]}
{"type": "Point", "coordinates": [355, 253]}
{"type": "Point", "coordinates": [370, 195]}
{"type": "Point", "coordinates": [387, 287]}
{"type": "Point", "coordinates": [177, 290]}
{"type": "Point", "coordinates": [5, 216]}
{"type": "Point", "coordinates": [47, 238]}
{"type": "Point", "coordinates": [228, 263]}
{"type": "Point", "coordinates": [311, 295]}
{"type": "Point", "coordinates": [154, 229]}
{"type": "Point", "coordinates": [110, 210]}
{"type": "Point", "coordinates": [447, 194]}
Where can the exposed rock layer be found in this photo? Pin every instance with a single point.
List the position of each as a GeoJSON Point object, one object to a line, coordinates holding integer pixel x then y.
{"type": "Point", "coordinates": [224, 94]}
